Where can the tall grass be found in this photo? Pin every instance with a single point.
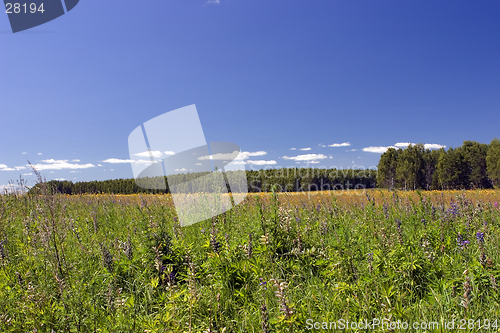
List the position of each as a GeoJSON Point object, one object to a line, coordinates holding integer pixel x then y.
{"type": "Point", "coordinates": [105, 263]}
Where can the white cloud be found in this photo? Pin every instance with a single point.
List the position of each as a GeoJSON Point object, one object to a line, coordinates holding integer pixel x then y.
{"type": "Point", "coordinates": [213, 2]}
{"type": "Point", "coordinates": [403, 144]}
{"type": "Point", "coordinates": [343, 144]}
{"type": "Point", "coordinates": [426, 145]}
{"type": "Point", "coordinates": [183, 169]}
{"type": "Point", "coordinates": [59, 179]}
{"type": "Point", "coordinates": [240, 159]}
{"type": "Point", "coordinates": [154, 153]}
{"type": "Point", "coordinates": [378, 150]}
{"type": "Point", "coordinates": [27, 174]}
{"type": "Point", "coordinates": [52, 164]}
{"type": "Point", "coordinates": [220, 156]}
{"type": "Point", "coordinates": [75, 161]}
{"type": "Point", "coordinates": [24, 153]}
{"type": "Point", "coordinates": [118, 160]}
{"type": "Point", "coordinates": [99, 164]}
{"type": "Point", "coordinates": [261, 162]}
{"type": "Point", "coordinates": [40, 154]}
{"type": "Point", "coordinates": [306, 157]}
{"type": "Point", "coordinates": [293, 148]}
{"type": "Point", "coordinates": [305, 148]}
{"type": "Point", "coordinates": [3, 167]}
{"type": "Point", "coordinates": [433, 146]}
{"type": "Point", "coordinates": [169, 153]}
{"type": "Point", "coordinates": [246, 154]}
{"type": "Point", "coordinates": [313, 162]}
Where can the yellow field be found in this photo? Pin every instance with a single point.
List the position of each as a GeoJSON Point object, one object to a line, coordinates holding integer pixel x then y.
{"type": "Point", "coordinates": [343, 198]}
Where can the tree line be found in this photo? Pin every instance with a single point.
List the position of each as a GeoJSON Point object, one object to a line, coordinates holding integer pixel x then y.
{"type": "Point", "coordinates": [283, 180]}
{"type": "Point", "coordinates": [474, 165]}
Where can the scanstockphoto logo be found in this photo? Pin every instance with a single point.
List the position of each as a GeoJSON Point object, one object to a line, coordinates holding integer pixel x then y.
{"type": "Point", "coordinates": [170, 151]}
{"type": "Point", "coordinates": [25, 15]}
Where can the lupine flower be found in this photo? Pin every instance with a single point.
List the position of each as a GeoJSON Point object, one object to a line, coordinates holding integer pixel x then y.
{"type": "Point", "coordinates": [370, 260]}
{"type": "Point", "coordinates": [462, 242]}
{"type": "Point", "coordinates": [172, 277]}
{"type": "Point", "coordinates": [453, 210]}
{"type": "Point", "coordinates": [400, 231]}
{"type": "Point", "coordinates": [480, 236]}
{"type": "Point", "coordinates": [467, 291]}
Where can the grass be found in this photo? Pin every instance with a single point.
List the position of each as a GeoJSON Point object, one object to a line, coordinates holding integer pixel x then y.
{"type": "Point", "coordinates": [106, 263]}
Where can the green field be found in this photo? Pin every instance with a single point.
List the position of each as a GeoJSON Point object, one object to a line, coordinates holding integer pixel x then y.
{"type": "Point", "coordinates": [105, 263]}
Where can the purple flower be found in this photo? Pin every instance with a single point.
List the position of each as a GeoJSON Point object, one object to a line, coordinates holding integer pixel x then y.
{"type": "Point", "coordinates": [297, 219]}
{"type": "Point", "coordinates": [461, 241]}
{"type": "Point", "coordinates": [386, 212]}
{"type": "Point", "coordinates": [495, 204]}
{"type": "Point", "coordinates": [480, 236]}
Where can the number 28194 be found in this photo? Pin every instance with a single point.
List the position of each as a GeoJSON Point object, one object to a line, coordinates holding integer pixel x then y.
{"type": "Point", "coordinates": [16, 8]}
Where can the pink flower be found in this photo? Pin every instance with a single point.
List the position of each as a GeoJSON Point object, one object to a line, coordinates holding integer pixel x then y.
{"type": "Point", "coordinates": [495, 204]}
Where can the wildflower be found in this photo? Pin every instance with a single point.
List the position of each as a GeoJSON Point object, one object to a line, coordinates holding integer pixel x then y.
{"type": "Point", "coordinates": [480, 237]}
{"type": "Point", "coordinates": [467, 291]}
{"type": "Point", "coordinates": [250, 247]}
{"type": "Point", "coordinates": [3, 252]}
{"type": "Point", "coordinates": [370, 260]}
{"type": "Point", "coordinates": [107, 258]}
{"type": "Point", "coordinates": [280, 293]}
{"type": "Point", "coordinates": [400, 231]}
{"type": "Point", "coordinates": [263, 283]}
{"type": "Point", "coordinates": [386, 211]}
{"type": "Point", "coordinates": [172, 277]}
{"type": "Point", "coordinates": [265, 318]}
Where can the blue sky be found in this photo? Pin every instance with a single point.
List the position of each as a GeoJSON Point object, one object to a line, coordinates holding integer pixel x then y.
{"type": "Point", "coordinates": [267, 75]}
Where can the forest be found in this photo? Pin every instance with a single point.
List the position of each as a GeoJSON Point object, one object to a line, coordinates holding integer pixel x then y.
{"type": "Point", "coordinates": [473, 165]}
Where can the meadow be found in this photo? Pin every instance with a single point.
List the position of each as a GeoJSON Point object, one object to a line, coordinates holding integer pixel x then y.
{"type": "Point", "coordinates": [122, 263]}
